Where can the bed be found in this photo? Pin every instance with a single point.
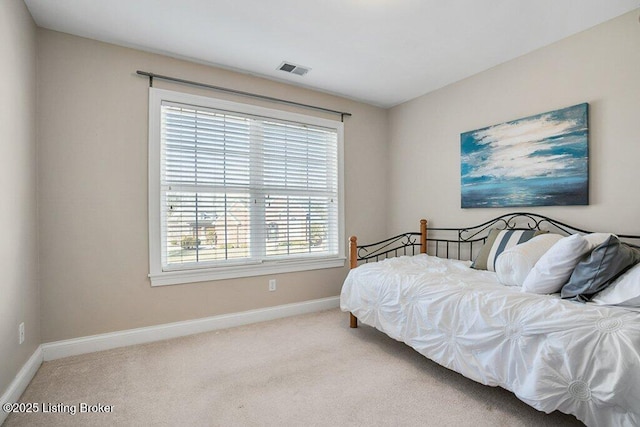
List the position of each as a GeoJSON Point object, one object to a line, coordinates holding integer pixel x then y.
{"type": "Point", "coordinates": [552, 353]}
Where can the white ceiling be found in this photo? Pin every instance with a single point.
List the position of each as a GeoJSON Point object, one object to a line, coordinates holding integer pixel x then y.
{"type": "Point", "coordinates": [382, 52]}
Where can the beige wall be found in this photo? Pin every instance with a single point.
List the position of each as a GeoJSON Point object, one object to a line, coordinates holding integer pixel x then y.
{"type": "Point", "coordinates": [93, 191]}
{"type": "Point", "coordinates": [19, 300]}
{"type": "Point", "coordinates": [600, 66]}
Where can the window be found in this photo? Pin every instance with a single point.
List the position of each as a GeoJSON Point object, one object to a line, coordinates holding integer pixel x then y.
{"type": "Point", "coordinates": [237, 190]}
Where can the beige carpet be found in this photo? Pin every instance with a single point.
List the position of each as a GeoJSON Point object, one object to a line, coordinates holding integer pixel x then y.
{"type": "Point", "coordinates": [310, 370]}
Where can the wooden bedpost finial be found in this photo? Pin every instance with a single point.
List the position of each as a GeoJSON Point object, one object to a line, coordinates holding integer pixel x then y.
{"type": "Point", "coordinates": [423, 236]}
{"type": "Point", "coordinates": [353, 252]}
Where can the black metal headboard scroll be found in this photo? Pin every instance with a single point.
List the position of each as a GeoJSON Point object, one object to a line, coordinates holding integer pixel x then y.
{"type": "Point", "coordinates": [461, 243]}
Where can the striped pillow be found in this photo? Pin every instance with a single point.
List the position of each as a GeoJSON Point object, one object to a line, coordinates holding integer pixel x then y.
{"type": "Point", "coordinates": [497, 242]}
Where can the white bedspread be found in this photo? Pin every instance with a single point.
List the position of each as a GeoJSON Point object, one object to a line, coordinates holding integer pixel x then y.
{"type": "Point", "coordinates": [553, 354]}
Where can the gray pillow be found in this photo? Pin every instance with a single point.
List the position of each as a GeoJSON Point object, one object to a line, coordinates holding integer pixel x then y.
{"type": "Point", "coordinates": [599, 268]}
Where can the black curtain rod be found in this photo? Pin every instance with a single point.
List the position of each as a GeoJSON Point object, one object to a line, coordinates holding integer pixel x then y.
{"type": "Point", "coordinates": [239, 92]}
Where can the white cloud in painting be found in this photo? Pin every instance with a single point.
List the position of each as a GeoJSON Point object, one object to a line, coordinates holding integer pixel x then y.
{"type": "Point", "coordinates": [514, 150]}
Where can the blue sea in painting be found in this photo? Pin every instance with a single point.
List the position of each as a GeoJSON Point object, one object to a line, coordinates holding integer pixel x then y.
{"type": "Point", "coordinates": [533, 192]}
{"type": "Point", "coordinates": [540, 160]}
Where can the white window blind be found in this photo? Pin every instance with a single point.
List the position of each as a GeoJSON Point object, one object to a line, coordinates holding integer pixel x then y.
{"type": "Point", "coordinates": [239, 189]}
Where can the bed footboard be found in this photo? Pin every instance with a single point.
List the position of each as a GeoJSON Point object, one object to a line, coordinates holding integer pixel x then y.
{"type": "Point", "coordinates": [402, 244]}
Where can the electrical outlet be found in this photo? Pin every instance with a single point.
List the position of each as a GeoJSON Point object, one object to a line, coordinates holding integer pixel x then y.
{"type": "Point", "coordinates": [272, 285]}
{"type": "Point", "coordinates": [21, 333]}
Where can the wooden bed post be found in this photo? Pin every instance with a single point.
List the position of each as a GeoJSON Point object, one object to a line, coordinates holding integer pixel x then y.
{"type": "Point", "coordinates": [353, 252]}
{"type": "Point", "coordinates": [423, 236]}
{"type": "Point", "coordinates": [353, 321]}
{"type": "Point", "coordinates": [353, 263]}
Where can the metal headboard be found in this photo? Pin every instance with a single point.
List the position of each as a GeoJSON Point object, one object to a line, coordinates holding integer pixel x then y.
{"type": "Point", "coordinates": [465, 239]}
{"type": "Point", "coordinates": [460, 243]}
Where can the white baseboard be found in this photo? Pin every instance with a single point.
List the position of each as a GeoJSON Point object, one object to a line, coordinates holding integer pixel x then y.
{"type": "Point", "coordinates": [90, 344]}
{"type": "Point", "coordinates": [21, 381]}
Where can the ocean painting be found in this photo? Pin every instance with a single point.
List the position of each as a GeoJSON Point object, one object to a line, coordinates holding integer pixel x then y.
{"type": "Point", "coordinates": [540, 160]}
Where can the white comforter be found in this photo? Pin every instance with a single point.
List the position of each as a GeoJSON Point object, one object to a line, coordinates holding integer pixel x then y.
{"type": "Point", "coordinates": [553, 354]}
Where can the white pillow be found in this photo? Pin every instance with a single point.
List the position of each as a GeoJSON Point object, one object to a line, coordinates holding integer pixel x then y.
{"type": "Point", "coordinates": [625, 290]}
{"type": "Point", "coordinates": [554, 268]}
{"type": "Point", "coordinates": [514, 264]}
{"type": "Point", "coordinates": [596, 239]}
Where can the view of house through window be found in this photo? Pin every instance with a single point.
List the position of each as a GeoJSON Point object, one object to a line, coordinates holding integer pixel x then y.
{"type": "Point", "coordinates": [202, 227]}
{"type": "Point", "coordinates": [207, 227]}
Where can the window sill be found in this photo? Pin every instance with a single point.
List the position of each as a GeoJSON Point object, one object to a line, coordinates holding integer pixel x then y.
{"type": "Point", "coordinates": [233, 272]}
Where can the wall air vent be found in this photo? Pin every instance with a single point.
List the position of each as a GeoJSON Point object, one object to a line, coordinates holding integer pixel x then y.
{"type": "Point", "coordinates": [293, 68]}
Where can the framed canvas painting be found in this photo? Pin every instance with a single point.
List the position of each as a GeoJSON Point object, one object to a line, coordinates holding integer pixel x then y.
{"type": "Point", "coordinates": [540, 160]}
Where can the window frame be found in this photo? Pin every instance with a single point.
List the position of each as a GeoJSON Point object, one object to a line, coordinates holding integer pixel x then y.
{"type": "Point", "coordinates": [171, 276]}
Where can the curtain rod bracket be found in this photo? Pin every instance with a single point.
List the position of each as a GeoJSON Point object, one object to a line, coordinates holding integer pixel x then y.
{"type": "Point", "coordinates": [240, 93]}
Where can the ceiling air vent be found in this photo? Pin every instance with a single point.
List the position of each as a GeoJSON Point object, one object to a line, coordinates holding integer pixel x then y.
{"type": "Point", "coordinates": [293, 68]}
